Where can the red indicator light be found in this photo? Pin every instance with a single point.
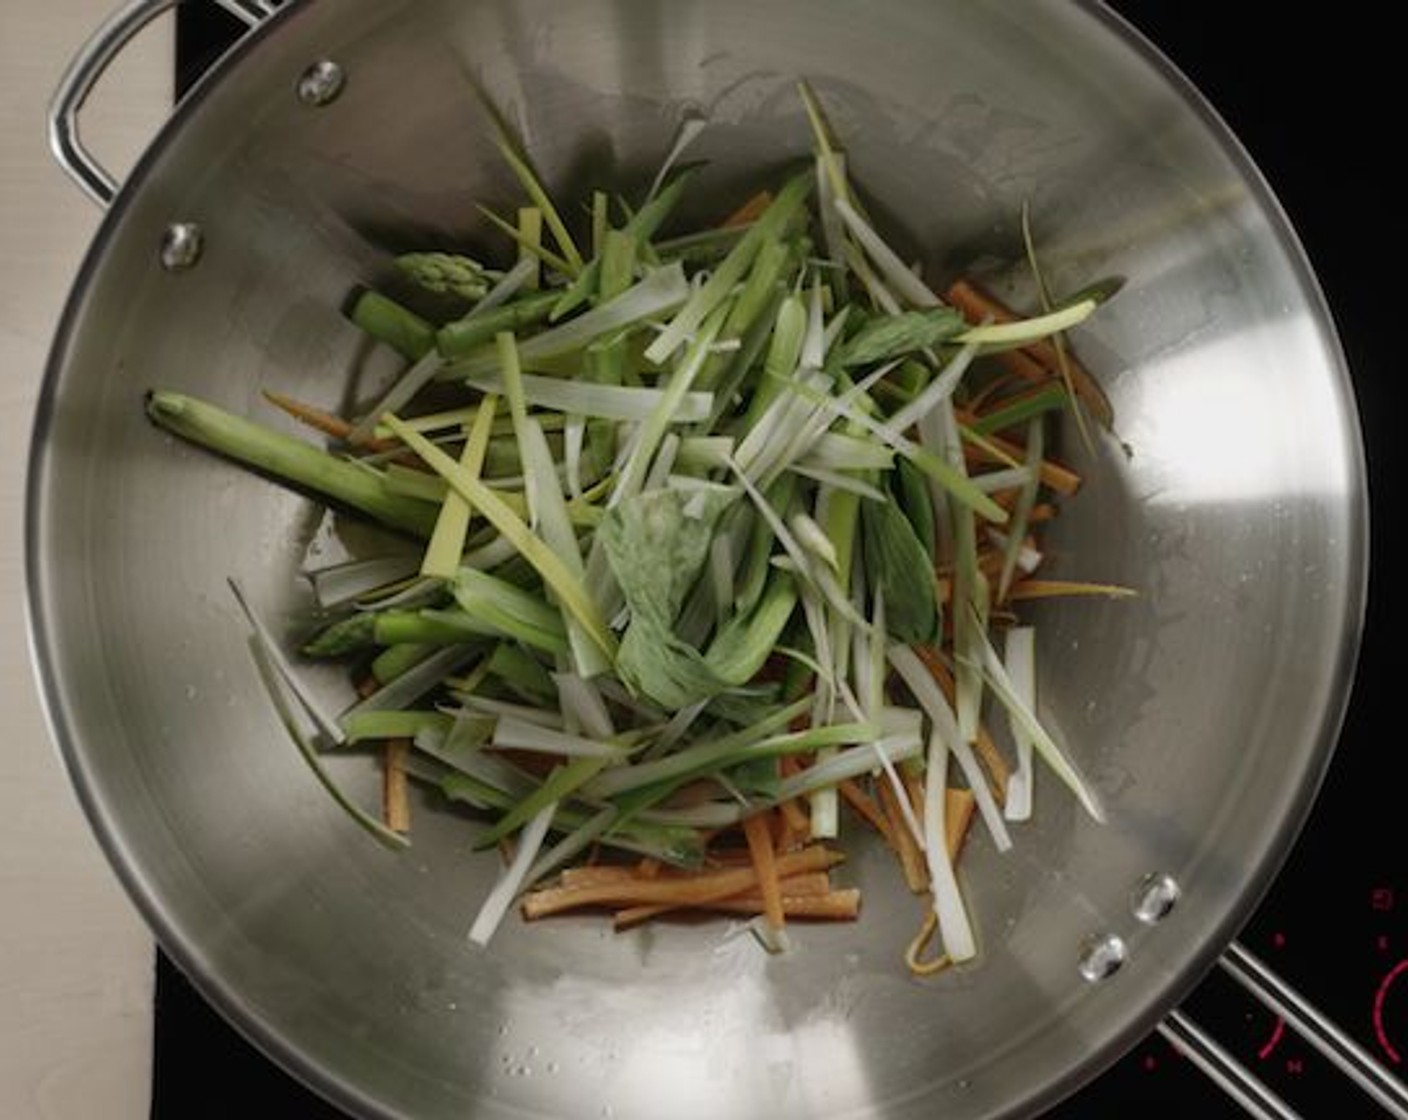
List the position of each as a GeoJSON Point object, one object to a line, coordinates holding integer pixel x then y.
{"type": "Point", "coordinates": [1381, 899]}
{"type": "Point", "coordinates": [1380, 998]}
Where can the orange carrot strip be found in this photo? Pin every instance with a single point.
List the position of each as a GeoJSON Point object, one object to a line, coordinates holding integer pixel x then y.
{"type": "Point", "coordinates": [326, 422]}
{"type": "Point", "coordinates": [916, 872]}
{"type": "Point", "coordinates": [759, 836]}
{"type": "Point", "coordinates": [794, 816]}
{"type": "Point", "coordinates": [865, 805]}
{"type": "Point", "coordinates": [1049, 588]}
{"type": "Point", "coordinates": [958, 815]}
{"type": "Point", "coordinates": [395, 796]}
{"type": "Point", "coordinates": [680, 891]}
{"type": "Point", "coordinates": [842, 904]}
{"type": "Point", "coordinates": [749, 212]}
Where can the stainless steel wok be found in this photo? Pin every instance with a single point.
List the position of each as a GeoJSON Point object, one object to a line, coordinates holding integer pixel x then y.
{"type": "Point", "coordinates": [1206, 710]}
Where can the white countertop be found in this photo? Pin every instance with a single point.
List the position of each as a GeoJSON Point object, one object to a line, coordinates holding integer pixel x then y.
{"type": "Point", "coordinates": [76, 963]}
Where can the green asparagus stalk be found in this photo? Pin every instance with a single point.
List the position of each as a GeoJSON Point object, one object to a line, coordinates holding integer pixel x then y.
{"type": "Point", "coordinates": [290, 460]}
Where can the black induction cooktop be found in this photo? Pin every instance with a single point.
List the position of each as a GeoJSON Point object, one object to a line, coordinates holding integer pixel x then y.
{"type": "Point", "coordinates": [1313, 98]}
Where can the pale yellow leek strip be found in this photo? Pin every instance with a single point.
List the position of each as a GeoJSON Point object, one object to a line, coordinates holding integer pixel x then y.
{"type": "Point", "coordinates": [530, 229]}
{"type": "Point", "coordinates": [571, 594]}
{"type": "Point", "coordinates": [1023, 331]}
{"type": "Point", "coordinates": [442, 555]}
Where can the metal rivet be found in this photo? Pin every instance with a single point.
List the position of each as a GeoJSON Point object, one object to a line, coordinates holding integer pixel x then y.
{"type": "Point", "coordinates": [1102, 956]}
{"type": "Point", "coordinates": [321, 83]}
{"type": "Point", "coordinates": [1155, 897]}
{"type": "Point", "coordinates": [181, 246]}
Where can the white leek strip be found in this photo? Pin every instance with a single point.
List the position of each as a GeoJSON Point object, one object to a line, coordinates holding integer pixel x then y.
{"type": "Point", "coordinates": [570, 845]}
{"type": "Point", "coordinates": [1019, 332]}
{"type": "Point", "coordinates": [814, 337]}
{"type": "Point", "coordinates": [775, 427]}
{"type": "Point", "coordinates": [660, 290]}
{"type": "Point", "coordinates": [339, 584]}
{"type": "Point", "coordinates": [574, 437]}
{"type": "Point", "coordinates": [1024, 558]}
{"type": "Point", "coordinates": [414, 683]}
{"type": "Point", "coordinates": [851, 762]}
{"type": "Point", "coordinates": [555, 574]}
{"type": "Point", "coordinates": [511, 733]}
{"type": "Point", "coordinates": [490, 555]}
{"type": "Point", "coordinates": [704, 453]}
{"type": "Point", "coordinates": [1045, 745]}
{"type": "Point", "coordinates": [496, 905]}
{"type": "Point", "coordinates": [874, 287]}
{"type": "Point", "coordinates": [955, 930]}
{"type": "Point", "coordinates": [819, 579]}
{"type": "Point", "coordinates": [507, 709]}
{"type": "Point", "coordinates": [446, 547]}
{"type": "Point", "coordinates": [582, 705]}
{"type": "Point", "coordinates": [816, 420]}
{"type": "Point", "coordinates": [691, 125]}
{"type": "Point", "coordinates": [588, 398]}
{"type": "Point", "coordinates": [554, 525]}
{"type": "Point", "coordinates": [658, 476]}
{"type": "Point", "coordinates": [939, 389]}
{"type": "Point", "coordinates": [844, 452]}
{"type": "Point", "coordinates": [953, 479]}
{"type": "Point", "coordinates": [1021, 671]}
{"type": "Point", "coordinates": [462, 750]}
{"type": "Point", "coordinates": [896, 273]}
{"type": "Point", "coordinates": [812, 537]}
{"type": "Point", "coordinates": [1006, 478]}
{"type": "Point", "coordinates": [652, 430]}
{"type": "Point", "coordinates": [327, 724]}
{"type": "Point", "coordinates": [732, 269]}
{"type": "Point", "coordinates": [931, 698]}
{"type": "Point", "coordinates": [674, 730]}
{"type": "Point", "coordinates": [266, 660]}
{"type": "Point", "coordinates": [839, 481]}
{"type": "Point", "coordinates": [707, 814]}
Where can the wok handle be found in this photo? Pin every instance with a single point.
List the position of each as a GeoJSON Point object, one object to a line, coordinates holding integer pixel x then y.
{"type": "Point", "coordinates": [1351, 1059]}
{"type": "Point", "coordinates": [1225, 1071]}
{"type": "Point", "coordinates": [88, 66]}
{"type": "Point", "coordinates": [1278, 997]}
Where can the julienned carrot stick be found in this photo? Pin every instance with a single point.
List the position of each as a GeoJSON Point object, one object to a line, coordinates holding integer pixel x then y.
{"type": "Point", "coordinates": [1051, 588]}
{"type": "Point", "coordinates": [759, 837]}
{"type": "Point", "coordinates": [842, 904]}
{"type": "Point", "coordinates": [794, 817]}
{"type": "Point", "coordinates": [680, 891]}
{"type": "Point", "coordinates": [395, 799]}
{"type": "Point", "coordinates": [958, 815]}
{"type": "Point", "coordinates": [865, 805]}
{"type": "Point", "coordinates": [749, 212]}
{"type": "Point", "coordinates": [916, 873]}
{"type": "Point", "coordinates": [810, 884]}
{"type": "Point", "coordinates": [325, 422]}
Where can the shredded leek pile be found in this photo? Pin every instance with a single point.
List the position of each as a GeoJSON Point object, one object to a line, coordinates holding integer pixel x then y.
{"type": "Point", "coordinates": [724, 529]}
